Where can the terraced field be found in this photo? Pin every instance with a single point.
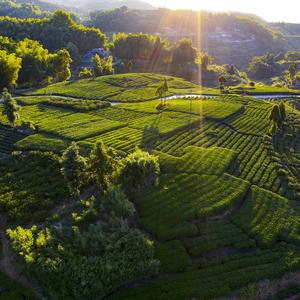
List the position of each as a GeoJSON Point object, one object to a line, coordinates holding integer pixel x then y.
{"type": "Point", "coordinates": [225, 213]}
{"type": "Point", "coordinates": [121, 87]}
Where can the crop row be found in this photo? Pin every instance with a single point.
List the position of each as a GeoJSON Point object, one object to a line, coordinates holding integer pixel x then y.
{"type": "Point", "coordinates": [8, 138]}
{"type": "Point", "coordinates": [118, 114]}
{"type": "Point", "coordinates": [207, 108]}
{"type": "Point", "coordinates": [170, 208]}
{"type": "Point", "coordinates": [199, 135]}
{"type": "Point", "coordinates": [163, 123]}
{"type": "Point", "coordinates": [41, 142]}
{"type": "Point", "coordinates": [268, 217]}
{"type": "Point", "coordinates": [216, 279]}
{"type": "Point", "coordinates": [217, 235]}
{"type": "Point", "coordinates": [66, 124]}
{"type": "Point", "coordinates": [250, 125]}
{"type": "Point", "coordinates": [134, 95]}
{"type": "Point", "coordinates": [94, 88]}
{"type": "Point", "coordinates": [125, 139]}
{"type": "Point", "coordinates": [212, 161]}
{"type": "Point", "coordinates": [133, 80]}
{"type": "Point", "coordinates": [254, 162]}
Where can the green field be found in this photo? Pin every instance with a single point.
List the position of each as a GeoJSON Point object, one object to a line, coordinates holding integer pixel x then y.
{"type": "Point", "coordinates": [262, 89]}
{"type": "Point", "coordinates": [121, 88]}
{"type": "Point", "coordinates": [225, 211]}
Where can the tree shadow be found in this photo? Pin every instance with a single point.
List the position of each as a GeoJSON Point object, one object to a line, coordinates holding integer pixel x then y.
{"type": "Point", "coordinates": [151, 136]}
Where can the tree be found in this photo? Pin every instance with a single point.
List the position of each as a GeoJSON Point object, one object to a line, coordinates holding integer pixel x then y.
{"type": "Point", "coordinates": [97, 65]}
{"type": "Point", "coordinates": [162, 90]}
{"type": "Point", "coordinates": [159, 93]}
{"type": "Point", "coordinates": [165, 88]}
{"type": "Point", "coordinates": [85, 73]}
{"type": "Point", "coordinates": [140, 169]}
{"type": "Point", "coordinates": [10, 65]}
{"type": "Point", "coordinates": [11, 109]}
{"type": "Point", "coordinates": [73, 169]}
{"type": "Point", "coordinates": [263, 67]}
{"type": "Point", "coordinates": [222, 81]}
{"type": "Point", "coordinates": [184, 52]}
{"type": "Point", "coordinates": [183, 58]}
{"type": "Point", "coordinates": [101, 166]}
{"type": "Point", "coordinates": [108, 66]}
{"type": "Point", "coordinates": [35, 62]}
{"type": "Point", "coordinates": [205, 60]}
{"type": "Point", "coordinates": [62, 65]}
{"type": "Point", "coordinates": [74, 53]}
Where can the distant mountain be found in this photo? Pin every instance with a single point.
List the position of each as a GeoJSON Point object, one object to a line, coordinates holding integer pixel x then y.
{"type": "Point", "coordinates": [47, 5]}
{"type": "Point", "coordinates": [232, 38]}
{"type": "Point", "coordinates": [42, 5]}
{"type": "Point", "coordinates": [105, 4]}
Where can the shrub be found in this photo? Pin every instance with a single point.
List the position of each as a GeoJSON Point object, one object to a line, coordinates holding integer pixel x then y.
{"type": "Point", "coordinates": [85, 73]}
{"type": "Point", "coordinates": [140, 170]}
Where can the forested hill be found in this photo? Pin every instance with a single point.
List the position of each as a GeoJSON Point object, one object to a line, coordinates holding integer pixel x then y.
{"type": "Point", "coordinates": [231, 38]}
{"type": "Point", "coordinates": [54, 33]}
{"type": "Point", "coordinates": [30, 8]}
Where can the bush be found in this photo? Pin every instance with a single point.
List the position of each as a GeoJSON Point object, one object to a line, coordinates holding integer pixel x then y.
{"type": "Point", "coordinates": [85, 73]}
{"type": "Point", "coordinates": [140, 170]}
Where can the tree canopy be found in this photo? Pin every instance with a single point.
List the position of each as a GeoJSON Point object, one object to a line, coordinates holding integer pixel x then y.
{"type": "Point", "coordinates": [53, 33]}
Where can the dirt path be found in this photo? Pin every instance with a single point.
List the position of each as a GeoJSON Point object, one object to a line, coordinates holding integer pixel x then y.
{"type": "Point", "coordinates": [7, 263]}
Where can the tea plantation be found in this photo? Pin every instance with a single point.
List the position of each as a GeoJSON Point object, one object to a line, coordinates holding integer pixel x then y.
{"type": "Point", "coordinates": [225, 212]}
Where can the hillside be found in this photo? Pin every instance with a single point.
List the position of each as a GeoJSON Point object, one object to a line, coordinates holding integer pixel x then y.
{"type": "Point", "coordinates": [230, 38]}
{"type": "Point", "coordinates": [223, 215]}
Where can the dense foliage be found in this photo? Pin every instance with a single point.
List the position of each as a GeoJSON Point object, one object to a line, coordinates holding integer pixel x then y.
{"type": "Point", "coordinates": [31, 194]}
{"type": "Point", "coordinates": [11, 108]}
{"type": "Point", "coordinates": [73, 169]}
{"type": "Point", "coordinates": [53, 33]}
{"type": "Point", "coordinates": [140, 170]}
{"type": "Point", "coordinates": [101, 249]}
{"type": "Point", "coordinates": [74, 104]}
{"type": "Point", "coordinates": [28, 63]}
{"type": "Point", "coordinates": [21, 10]}
{"type": "Point", "coordinates": [139, 46]}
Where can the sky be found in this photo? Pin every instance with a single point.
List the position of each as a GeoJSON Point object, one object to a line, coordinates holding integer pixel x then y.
{"type": "Point", "coordinates": [270, 10]}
